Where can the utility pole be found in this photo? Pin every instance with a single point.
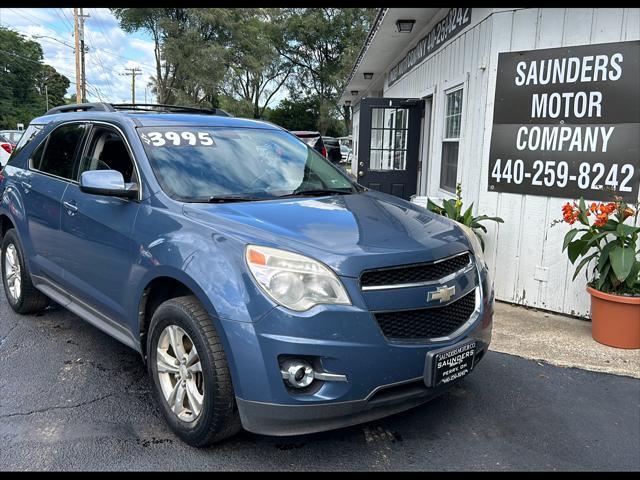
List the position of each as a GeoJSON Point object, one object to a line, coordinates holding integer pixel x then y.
{"type": "Point", "coordinates": [77, 48]}
{"type": "Point", "coordinates": [46, 96]}
{"type": "Point", "coordinates": [133, 72]}
{"type": "Point", "coordinates": [82, 16]}
{"type": "Point", "coordinates": [81, 80]}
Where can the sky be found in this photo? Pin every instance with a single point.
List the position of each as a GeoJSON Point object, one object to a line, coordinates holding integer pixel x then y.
{"type": "Point", "coordinates": [111, 51]}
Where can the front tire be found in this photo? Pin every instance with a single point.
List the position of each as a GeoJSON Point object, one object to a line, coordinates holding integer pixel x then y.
{"type": "Point", "coordinates": [190, 374]}
{"type": "Point", "coordinates": [22, 296]}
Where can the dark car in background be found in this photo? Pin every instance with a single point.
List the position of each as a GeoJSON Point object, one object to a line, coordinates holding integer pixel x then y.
{"type": "Point", "coordinates": [313, 139]}
{"type": "Point", "coordinates": [333, 149]}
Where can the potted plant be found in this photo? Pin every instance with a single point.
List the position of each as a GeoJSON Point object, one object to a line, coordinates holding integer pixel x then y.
{"type": "Point", "coordinates": [606, 234]}
{"type": "Point", "coordinates": [452, 209]}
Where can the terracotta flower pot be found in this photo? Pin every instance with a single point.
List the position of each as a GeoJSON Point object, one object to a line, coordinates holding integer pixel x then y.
{"type": "Point", "coordinates": [615, 319]}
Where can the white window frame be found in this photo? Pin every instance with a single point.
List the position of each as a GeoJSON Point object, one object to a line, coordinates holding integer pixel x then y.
{"type": "Point", "coordinates": [445, 93]}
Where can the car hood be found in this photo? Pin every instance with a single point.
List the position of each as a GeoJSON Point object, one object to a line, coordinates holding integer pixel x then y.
{"type": "Point", "coordinates": [350, 233]}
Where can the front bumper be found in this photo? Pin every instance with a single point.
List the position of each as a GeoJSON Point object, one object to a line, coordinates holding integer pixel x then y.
{"type": "Point", "coordinates": [285, 420]}
{"type": "Point", "coordinates": [383, 377]}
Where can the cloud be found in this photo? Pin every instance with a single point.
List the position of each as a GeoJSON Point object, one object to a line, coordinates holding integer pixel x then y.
{"type": "Point", "coordinates": [110, 50]}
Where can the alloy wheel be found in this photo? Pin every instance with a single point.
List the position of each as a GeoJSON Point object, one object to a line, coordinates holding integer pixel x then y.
{"type": "Point", "coordinates": [180, 373]}
{"type": "Point", "coordinates": [12, 272]}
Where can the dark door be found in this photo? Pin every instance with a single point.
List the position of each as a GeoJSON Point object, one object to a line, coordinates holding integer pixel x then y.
{"type": "Point", "coordinates": [390, 145]}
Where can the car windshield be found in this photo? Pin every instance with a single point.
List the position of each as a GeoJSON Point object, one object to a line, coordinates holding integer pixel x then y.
{"type": "Point", "coordinates": [197, 164]}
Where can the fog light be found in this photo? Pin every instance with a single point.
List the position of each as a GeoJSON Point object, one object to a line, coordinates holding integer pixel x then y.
{"type": "Point", "coordinates": [297, 373]}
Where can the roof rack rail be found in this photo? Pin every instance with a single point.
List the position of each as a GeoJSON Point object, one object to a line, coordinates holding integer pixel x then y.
{"type": "Point", "coordinates": [153, 107]}
{"type": "Point", "coordinates": [81, 107]}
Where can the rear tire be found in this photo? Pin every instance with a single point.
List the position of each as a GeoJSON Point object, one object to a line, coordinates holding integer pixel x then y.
{"type": "Point", "coordinates": [22, 296]}
{"type": "Point", "coordinates": [203, 410]}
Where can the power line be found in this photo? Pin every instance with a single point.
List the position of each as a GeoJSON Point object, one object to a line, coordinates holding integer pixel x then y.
{"type": "Point", "coordinates": [57, 69]}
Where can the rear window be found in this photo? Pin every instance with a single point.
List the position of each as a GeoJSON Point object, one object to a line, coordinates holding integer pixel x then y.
{"type": "Point", "coordinates": [29, 134]}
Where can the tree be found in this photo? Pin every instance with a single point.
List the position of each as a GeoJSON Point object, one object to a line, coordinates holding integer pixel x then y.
{"type": "Point", "coordinates": [21, 80]}
{"type": "Point", "coordinates": [256, 70]}
{"type": "Point", "coordinates": [156, 21]}
{"type": "Point", "coordinates": [323, 43]}
{"type": "Point", "coordinates": [57, 86]}
{"type": "Point", "coordinates": [302, 114]}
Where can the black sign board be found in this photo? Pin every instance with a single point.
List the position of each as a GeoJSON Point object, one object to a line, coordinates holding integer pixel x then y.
{"type": "Point", "coordinates": [448, 27]}
{"type": "Point", "coordinates": [566, 122]}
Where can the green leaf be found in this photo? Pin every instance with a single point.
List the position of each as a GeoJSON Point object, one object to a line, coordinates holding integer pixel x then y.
{"type": "Point", "coordinates": [467, 217]}
{"type": "Point", "coordinates": [582, 215]}
{"type": "Point", "coordinates": [604, 256]}
{"type": "Point", "coordinates": [633, 279]}
{"type": "Point", "coordinates": [582, 263]}
{"type": "Point", "coordinates": [622, 260]}
{"type": "Point", "coordinates": [493, 219]}
{"type": "Point", "coordinates": [610, 226]}
{"type": "Point", "coordinates": [433, 207]}
{"type": "Point", "coordinates": [581, 206]}
{"type": "Point", "coordinates": [603, 276]}
{"type": "Point", "coordinates": [568, 237]}
{"type": "Point", "coordinates": [450, 208]}
{"type": "Point", "coordinates": [479, 225]}
{"type": "Point", "coordinates": [625, 230]}
{"type": "Point", "coordinates": [594, 238]}
{"type": "Point", "coordinates": [575, 249]}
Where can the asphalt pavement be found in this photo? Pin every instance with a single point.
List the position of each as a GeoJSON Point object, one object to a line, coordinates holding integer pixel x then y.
{"type": "Point", "coordinates": [72, 398]}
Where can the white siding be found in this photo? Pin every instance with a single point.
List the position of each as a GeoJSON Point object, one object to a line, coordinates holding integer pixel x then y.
{"type": "Point", "coordinates": [525, 241]}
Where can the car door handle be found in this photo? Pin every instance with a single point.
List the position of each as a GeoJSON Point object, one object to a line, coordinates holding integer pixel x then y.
{"type": "Point", "coordinates": [26, 185]}
{"type": "Point", "coordinates": [70, 208]}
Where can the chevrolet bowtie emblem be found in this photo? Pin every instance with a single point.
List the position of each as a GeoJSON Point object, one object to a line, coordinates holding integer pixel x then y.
{"type": "Point", "coordinates": [443, 294]}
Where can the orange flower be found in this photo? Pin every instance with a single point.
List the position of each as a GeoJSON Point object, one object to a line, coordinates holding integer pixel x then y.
{"type": "Point", "coordinates": [627, 212]}
{"type": "Point", "coordinates": [601, 220]}
{"type": "Point", "coordinates": [593, 208]}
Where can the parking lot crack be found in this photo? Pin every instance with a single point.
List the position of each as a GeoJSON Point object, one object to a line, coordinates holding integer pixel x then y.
{"type": "Point", "coordinates": [4, 338]}
{"type": "Point", "coordinates": [57, 407]}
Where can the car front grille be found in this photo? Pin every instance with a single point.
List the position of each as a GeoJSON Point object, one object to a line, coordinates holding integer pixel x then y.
{"type": "Point", "coordinates": [416, 273]}
{"type": "Point", "coordinates": [427, 323]}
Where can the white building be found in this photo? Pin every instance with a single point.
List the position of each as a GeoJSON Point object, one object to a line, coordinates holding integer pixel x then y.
{"type": "Point", "coordinates": [527, 108]}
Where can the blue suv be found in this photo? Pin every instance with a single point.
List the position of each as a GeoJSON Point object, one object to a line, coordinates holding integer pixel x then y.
{"type": "Point", "coordinates": [263, 288]}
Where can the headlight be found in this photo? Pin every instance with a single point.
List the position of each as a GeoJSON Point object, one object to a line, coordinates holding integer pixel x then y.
{"type": "Point", "coordinates": [475, 243]}
{"type": "Point", "coordinates": [294, 281]}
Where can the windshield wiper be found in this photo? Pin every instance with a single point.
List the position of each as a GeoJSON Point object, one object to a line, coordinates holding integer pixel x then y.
{"type": "Point", "coordinates": [222, 199]}
{"type": "Point", "coordinates": [326, 191]}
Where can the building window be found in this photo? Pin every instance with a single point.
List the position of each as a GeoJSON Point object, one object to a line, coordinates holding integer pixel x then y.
{"type": "Point", "coordinates": [451, 141]}
{"type": "Point", "coordinates": [388, 149]}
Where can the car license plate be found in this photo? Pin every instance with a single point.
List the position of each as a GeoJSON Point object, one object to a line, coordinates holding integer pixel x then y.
{"type": "Point", "coordinates": [448, 364]}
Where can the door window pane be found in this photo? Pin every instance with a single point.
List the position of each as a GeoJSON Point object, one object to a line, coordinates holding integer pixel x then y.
{"type": "Point", "coordinates": [60, 151]}
{"type": "Point", "coordinates": [107, 151]}
{"type": "Point", "coordinates": [389, 127]}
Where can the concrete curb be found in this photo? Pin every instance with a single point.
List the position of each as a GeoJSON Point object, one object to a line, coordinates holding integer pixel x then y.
{"type": "Point", "coordinates": [557, 340]}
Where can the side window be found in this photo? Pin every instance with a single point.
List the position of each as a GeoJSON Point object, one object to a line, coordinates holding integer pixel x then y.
{"type": "Point", "coordinates": [29, 134]}
{"type": "Point", "coordinates": [108, 151]}
{"type": "Point", "coordinates": [59, 152]}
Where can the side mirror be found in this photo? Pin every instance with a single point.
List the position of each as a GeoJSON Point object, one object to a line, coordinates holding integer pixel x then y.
{"type": "Point", "coordinates": [106, 182]}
